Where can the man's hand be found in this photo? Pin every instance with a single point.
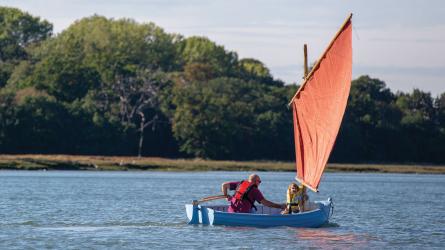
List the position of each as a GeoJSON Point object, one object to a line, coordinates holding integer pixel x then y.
{"type": "Point", "coordinates": [225, 188]}
{"type": "Point", "coordinates": [272, 204]}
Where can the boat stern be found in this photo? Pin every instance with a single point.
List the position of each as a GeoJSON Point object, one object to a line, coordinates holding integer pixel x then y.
{"type": "Point", "coordinates": [198, 214]}
{"type": "Point", "coordinates": [192, 213]}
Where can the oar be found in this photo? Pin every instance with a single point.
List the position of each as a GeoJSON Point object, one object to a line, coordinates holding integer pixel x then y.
{"type": "Point", "coordinates": [210, 198]}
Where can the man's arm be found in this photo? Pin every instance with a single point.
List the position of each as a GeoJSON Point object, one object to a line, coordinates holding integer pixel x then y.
{"type": "Point", "coordinates": [225, 187]}
{"type": "Point", "coordinates": [271, 204]}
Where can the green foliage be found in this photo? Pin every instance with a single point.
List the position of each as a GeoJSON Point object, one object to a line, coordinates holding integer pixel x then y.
{"type": "Point", "coordinates": [18, 30]}
{"type": "Point", "coordinates": [228, 118]}
{"type": "Point", "coordinates": [94, 50]}
{"type": "Point", "coordinates": [369, 129]}
{"type": "Point", "coordinates": [5, 71]}
{"type": "Point", "coordinates": [39, 122]}
{"type": "Point", "coordinates": [7, 119]}
{"type": "Point", "coordinates": [421, 136]}
{"type": "Point", "coordinates": [417, 109]}
{"type": "Point", "coordinates": [371, 103]}
{"type": "Point", "coordinates": [202, 51]}
{"type": "Point", "coordinates": [106, 86]}
{"type": "Point", "coordinates": [199, 72]}
{"type": "Point", "coordinates": [440, 107]}
{"type": "Point", "coordinates": [254, 68]}
{"type": "Point", "coordinates": [383, 127]}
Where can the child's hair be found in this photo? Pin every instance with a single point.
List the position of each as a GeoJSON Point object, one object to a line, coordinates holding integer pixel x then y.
{"type": "Point", "coordinates": [292, 185]}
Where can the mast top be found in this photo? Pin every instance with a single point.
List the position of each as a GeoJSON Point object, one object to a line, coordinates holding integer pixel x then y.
{"type": "Point", "coordinates": [306, 78]}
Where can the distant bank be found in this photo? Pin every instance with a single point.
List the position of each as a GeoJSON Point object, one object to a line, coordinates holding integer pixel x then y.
{"type": "Point", "coordinates": [118, 163]}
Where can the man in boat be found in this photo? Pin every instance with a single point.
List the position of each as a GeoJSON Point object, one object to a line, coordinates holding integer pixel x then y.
{"type": "Point", "coordinates": [246, 193]}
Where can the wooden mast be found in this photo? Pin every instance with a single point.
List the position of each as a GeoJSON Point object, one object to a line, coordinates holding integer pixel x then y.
{"type": "Point", "coordinates": [305, 78]}
{"type": "Point", "coordinates": [305, 61]}
{"type": "Point", "coordinates": [322, 56]}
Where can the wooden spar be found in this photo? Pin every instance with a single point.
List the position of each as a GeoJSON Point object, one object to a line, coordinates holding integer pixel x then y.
{"type": "Point", "coordinates": [319, 60]}
{"type": "Point", "coordinates": [305, 184]}
{"type": "Point", "coordinates": [305, 61]}
{"type": "Point", "coordinates": [210, 198]}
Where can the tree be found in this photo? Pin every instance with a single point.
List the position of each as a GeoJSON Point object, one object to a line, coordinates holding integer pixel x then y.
{"type": "Point", "coordinates": [417, 126]}
{"type": "Point", "coordinates": [372, 103]}
{"type": "Point", "coordinates": [137, 100]}
{"type": "Point", "coordinates": [417, 108]}
{"type": "Point", "coordinates": [93, 51]}
{"type": "Point", "coordinates": [39, 126]}
{"type": "Point", "coordinates": [198, 72]}
{"type": "Point", "coordinates": [253, 69]}
{"type": "Point", "coordinates": [439, 139]}
{"type": "Point", "coordinates": [88, 59]}
{"type": "Point", "coordinates": [229, 118]}
{"type": "Point", "coordinates": [370, 125]}
{"type": "Point", "coordinates": [440, 116]}
{"type": "Point", "coordinates": [202, 51]}
{"type": "Point", "coordinates": [18, 31]}
{"type": "Point", "coordinates": [7, 119]}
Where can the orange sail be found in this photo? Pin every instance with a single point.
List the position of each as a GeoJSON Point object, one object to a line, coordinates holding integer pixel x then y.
{"type": "Point", "coordinates": [319, 106]}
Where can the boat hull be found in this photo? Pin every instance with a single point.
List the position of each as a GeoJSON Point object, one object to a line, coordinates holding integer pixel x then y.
{"type": "Point", "coordinates": [267, 217]}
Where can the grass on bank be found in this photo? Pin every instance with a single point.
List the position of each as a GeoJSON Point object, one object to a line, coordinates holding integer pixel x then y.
{"type": "Point", "coordinates": [118, 163]}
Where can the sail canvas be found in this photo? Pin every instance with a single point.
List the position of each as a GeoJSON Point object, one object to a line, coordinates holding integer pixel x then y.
{"type": "Point", "coordinates": [319, 106]}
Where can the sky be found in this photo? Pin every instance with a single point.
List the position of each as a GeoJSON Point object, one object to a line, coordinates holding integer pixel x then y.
{"type": "Point", "coordinates": [401, 42]}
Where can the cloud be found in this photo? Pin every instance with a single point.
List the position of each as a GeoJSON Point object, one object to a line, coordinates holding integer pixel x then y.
{"type": "Point", "coordinates": [400, 43]}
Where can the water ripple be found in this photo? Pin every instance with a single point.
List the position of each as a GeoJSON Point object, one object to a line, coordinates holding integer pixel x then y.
{"type": "Point", "coordinates": [77, 210]}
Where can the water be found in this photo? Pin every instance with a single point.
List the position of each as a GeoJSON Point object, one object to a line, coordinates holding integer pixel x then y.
{"type": "Point", "coordinates": [145, 210]}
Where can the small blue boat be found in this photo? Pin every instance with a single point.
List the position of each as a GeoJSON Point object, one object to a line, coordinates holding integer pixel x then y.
{"type": "Point", "coordinates": [318, 214]}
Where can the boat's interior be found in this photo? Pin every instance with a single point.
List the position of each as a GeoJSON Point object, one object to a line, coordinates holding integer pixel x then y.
{"type": "Point", "coordinates": [265, 210]}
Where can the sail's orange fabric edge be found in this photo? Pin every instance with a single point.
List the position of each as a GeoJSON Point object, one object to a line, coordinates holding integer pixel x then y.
{"type": "Point", "coordinates": [319, 107]}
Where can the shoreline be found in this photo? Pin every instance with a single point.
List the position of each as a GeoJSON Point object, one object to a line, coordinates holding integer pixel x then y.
{"type": "Point", "coordinates": [123, 163]}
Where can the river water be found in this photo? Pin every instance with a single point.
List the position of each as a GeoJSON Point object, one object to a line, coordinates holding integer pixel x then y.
{"type": "Point", "coordinates": [145, 210]}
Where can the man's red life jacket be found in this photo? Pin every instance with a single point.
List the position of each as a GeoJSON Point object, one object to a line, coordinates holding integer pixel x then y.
{"type": "Point", "coordinates": [242, 191]}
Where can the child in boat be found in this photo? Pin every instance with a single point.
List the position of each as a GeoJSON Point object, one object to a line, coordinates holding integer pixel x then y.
{"type": "Point", "coordinates": [295, 198]}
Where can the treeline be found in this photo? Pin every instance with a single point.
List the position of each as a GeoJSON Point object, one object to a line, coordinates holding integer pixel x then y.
{"type": "Point", "coordinates": [118, 87]}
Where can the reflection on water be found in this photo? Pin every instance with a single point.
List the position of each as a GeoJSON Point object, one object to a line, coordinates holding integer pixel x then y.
{"type": "Point", "coordinates": [330, 224]}
{"type": "Point", "coordinates": [327, 239]}
{"type": "Point", "coordinates": [145, 210]}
